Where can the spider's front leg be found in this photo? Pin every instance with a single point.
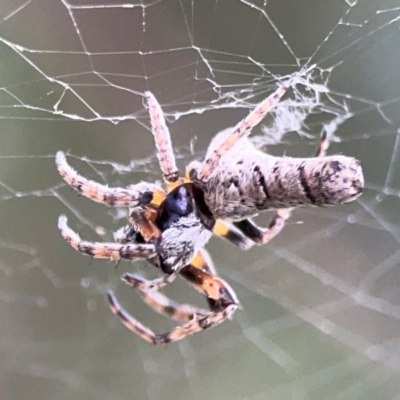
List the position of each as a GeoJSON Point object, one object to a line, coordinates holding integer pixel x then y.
{"type": "Point", "coordinates": [133, 196]}
{"type": "Point", "coordinates": [162, 140]}
{"type": "Point", "coordinates": [113, 251]}
{"type": "Point", "coordinates": [241, 130]}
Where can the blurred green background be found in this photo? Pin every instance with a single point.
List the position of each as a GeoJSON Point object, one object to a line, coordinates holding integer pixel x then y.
{"type": "Point", "coordinates": [320, 316]}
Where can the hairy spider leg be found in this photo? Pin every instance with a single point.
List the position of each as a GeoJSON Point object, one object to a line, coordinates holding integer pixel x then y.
{"type": "Point", "coordinates": [125, 234]}
{"type": "Point", "coordinates": [264, 235]}
{"type": "Point", "coordinates": [113, 251]}
{"type": "Point", "coordinates": [222, 229]}
{"type": "Point", "coordinates": [232, 235]}
{"type": "Point", "coordinates": [168, 167]}
{"type": "Point", "coordinates": [170, 308]}
{"type": "Point", "coordinates": [223, 304]}
{"type": "Point", "coordinates": [261, 235]}
{"type": "Point", "coordinates": [162, 139]}
{"type": "Point", "coordinates": [242, 129]}
{"type": "Point", "coordinates": [145, 285]}
{"type": "Point", "coordinates": [201, 273]}
{"type": "Point", "coordinates": [218, 293]}
{"type": "Point", "coordinates": [140, 223]}
{"type": "Point", "coordinates": [134, 195]}
{"type": "Point", "coordinates": [198, 323]}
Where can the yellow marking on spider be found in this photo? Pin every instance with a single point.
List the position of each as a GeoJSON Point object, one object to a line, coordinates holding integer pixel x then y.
{"type": "Point", "coordinates": [158, 196]}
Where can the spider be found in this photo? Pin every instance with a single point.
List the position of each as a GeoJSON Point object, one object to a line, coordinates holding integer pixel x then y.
{"type": "Point", "coordinates": [170, 227]}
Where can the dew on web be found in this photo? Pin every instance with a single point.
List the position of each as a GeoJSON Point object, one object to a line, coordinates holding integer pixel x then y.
{"type": "Point", "coordinates": [320, 304]}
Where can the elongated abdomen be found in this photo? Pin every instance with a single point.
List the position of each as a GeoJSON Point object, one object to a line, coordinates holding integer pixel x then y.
{"type": "Point", "coordinates": [316, 181]}
{"type": "Point", "coordinates": [247, 183]}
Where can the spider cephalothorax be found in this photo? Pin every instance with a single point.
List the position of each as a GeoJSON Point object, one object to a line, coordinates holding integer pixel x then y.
{"type": "Point", "coordinates": [185, 225]}
{"type": "Point", "coordinates": [169, 229]}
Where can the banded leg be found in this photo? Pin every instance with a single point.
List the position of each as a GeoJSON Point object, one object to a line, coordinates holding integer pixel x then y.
{"type": "Point", "coordinates": [170, 308]}
{"type": "Point", "coordinates": [198, 323]}
{"type": "Point", "coordinates": [162, 139]}
{"type": "Point", "coordinates": [260, 235]}
{"type": "Point", "coordinates": [126, 234]}
{"type": "Point", "coordinates": [213, 287]}
{"type": "Point", "coordinates": [113, 251]}
{"type": "Point", "coordinates": [234, 236]}
{"type": "Point", "coordinates": [164, 305]}
{"type": "Point", "coordinates": [242, 129]}
{"type": "Point", "coordinates": [201, 273]}
{"type": "Point", "coordinates": [222, 300]}
{"type": "Point", "coordinates": [134, 196]}
{"type": "Point", "coordinates": [145, 285]}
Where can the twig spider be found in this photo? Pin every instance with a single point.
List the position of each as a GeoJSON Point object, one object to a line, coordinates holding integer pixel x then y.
{"type": "Point", "coordinates": [170, 228]}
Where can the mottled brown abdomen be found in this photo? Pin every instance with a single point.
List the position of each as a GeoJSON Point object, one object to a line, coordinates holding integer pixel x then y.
{"type": "Point", "coordinates": [243, 186]}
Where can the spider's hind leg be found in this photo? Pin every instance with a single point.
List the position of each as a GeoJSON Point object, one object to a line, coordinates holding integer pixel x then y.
{"type": "Point", "coordinates": [262, 236]}
{"type": "Point", "coordinates": [198, 323]}
{"type": "Point", "coordinates": [232, 235]}
{"type": "Point", "coordinates": [170, 308]}
{"type": "Point", "coordinates": [200, 273]}
{"type": "Point", "coordinates": [125, 234]}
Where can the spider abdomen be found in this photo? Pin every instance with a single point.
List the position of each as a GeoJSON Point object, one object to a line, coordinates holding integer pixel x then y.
{"type": "Point", "coordinates": [265, 182]}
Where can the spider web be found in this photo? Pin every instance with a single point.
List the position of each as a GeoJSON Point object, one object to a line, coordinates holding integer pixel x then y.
{"type": "Point", "coordinates": [321, 315]}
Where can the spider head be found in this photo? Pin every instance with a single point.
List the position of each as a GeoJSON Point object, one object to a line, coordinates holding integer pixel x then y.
{"type": "Point", "coordinates": [180, 201]}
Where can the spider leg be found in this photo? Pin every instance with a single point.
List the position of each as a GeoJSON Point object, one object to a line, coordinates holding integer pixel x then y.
{"type": "Point", "coordinates": [114, 251]}
{"type": "Point", "coordinates": [125, 234]}
{"type": "Point", "coordinates": [170, 308]}
{"type": "Point", "coordinates": [199, 273]}
{"type": "Point", "coordinates": [323, 144]}
{"type": "Point", "coordinates": [201, 262]}
{"type": "Point", "coordinates": [262, 236]}
{"type": "Point", "coordinates": [232, 235]}
{"type": "Point", "coordinates": [164, 305]}
{"type": "Point", "coordinates": [135, 195]}
{"type": "Point", "coordinates": [145, 285]}
{"type": "Point", "coordinates": [162, 139]}
{"type": "Point", "coordinates": [242, 129]}
{"type": "Point", "coordinates": [198, 323]}
{"type": "Point", "coordinates": [221, 298]}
